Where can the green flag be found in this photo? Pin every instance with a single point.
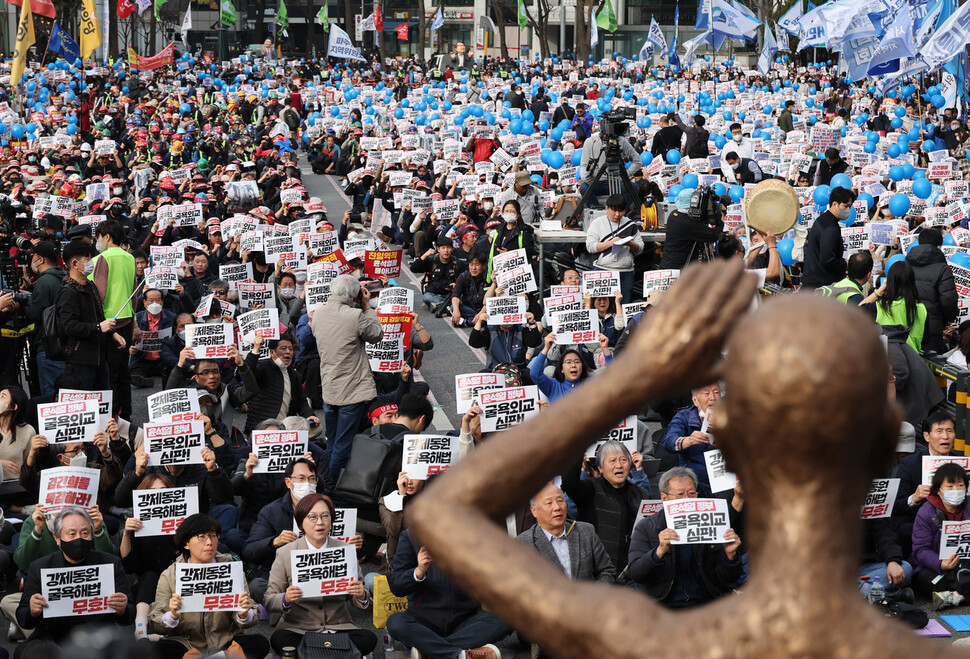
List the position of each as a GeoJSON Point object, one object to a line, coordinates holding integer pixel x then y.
{"type": "Point", "coordinates": [523, 17]}
{"type": "Point", "coordinates": [283, 18]}
{"type": "Point", "coordinates": [323, 17]}
{"type": "Point", "coordinates": [158, 7]}
{"type": "Point", "coordinates": [227, 13]}
{"type": "Point", "coordinates": [606, 19]}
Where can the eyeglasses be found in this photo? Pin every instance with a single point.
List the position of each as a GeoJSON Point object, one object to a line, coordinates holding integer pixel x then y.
{"type": "Point", "coordinates": [682, 495]}
{"type": "Point", "coordinates": [313, 518]}
{"type": "Point", "coordinates": [74, 451]}
{"type": "Point", "coordinates": [220, 292]}
{"type": "Point", "coordinates": [209, 372]}
{"type": "Point", "coordinates": [211, 535]}
{"type": "Point", "coordinates": [303, 479]}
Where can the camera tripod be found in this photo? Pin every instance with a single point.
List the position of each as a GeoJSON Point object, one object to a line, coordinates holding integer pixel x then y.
{"type": "Point", "coordinates": [617, 179]}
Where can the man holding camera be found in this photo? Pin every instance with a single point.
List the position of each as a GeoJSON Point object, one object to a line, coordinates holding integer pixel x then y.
{"type": "Point", "coordinates": [594, 157]}
{"type": "Point", "coordinates": [43, 262]}
{"type": "Point", "coordinates": [686, 235]}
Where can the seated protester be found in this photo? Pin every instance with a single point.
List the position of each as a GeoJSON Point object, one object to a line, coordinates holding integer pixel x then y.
{"type": "Point", "coordinates": [442, 271]}
{"type": "Point", "coordinates": [684, 436]}
{"type": "Point", "coordinates": [301, 614]}
{"type": "Point", "coordinates": [506, 344]}
{"type": "Point", "coordinates": [680, 576]}
{"type": "Point", "coordinates": [468, 295]}
{"type": "Point", "coordinates": [197, 539]}
{"type": "Point", "coordinates": [288, 301]}
{"type": "Point", "coordinates": [274, 524]}
{"type": "Point", "coordinates": [145, 366]}
{"type": "Point", "coordinates": [145, 558]}
{"type": "Point", "coordinates": [609, 502]}
{"type": "Point", "coordinates": [173, 345]}
{"type": "Point", "coordinates": [571, 371]}
{"type": "Point", "coordinates": [607, 309]}
{"type": "Point", "coordinates": [73, 531]}
{"type": "Point", "coordinates": [199, 277]}
{"type": "Point", "coordinates": [467, 239]}
{"type": "Point", "coordinates": [932, 576]}
{"type": "Point", "coordinates": [571, 546]}
{"type": "Point", "coordinates": [15, 433]}
{"type": "Point", "coordinates": [746, 170]}
{"type": "Point", "coordinates": [94, 455]}
{"type": "Point", "coordinates": [280, 390]}
{"type": "Point", "coordinates": [882, 557]}
{"type": "Point", "coordinates": [441, 620]}
{"type": "Point", "coordinates": [939, 433]}
{"type": "Point", "coordinates": [393, 520]}
{"type": "Point", "coordinates": [37, 539]}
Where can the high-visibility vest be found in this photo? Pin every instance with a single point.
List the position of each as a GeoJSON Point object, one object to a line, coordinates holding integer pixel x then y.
{"type": "Point", "coordinates": [841, 290]}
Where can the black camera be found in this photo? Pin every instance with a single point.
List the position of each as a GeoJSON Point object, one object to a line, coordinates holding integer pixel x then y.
{"type": "Point", "coordinates": [705, 205]}
{"type": "Point", "coordinates": [20, 297]}
{"type": "Point", "coordinates": [616, 123]}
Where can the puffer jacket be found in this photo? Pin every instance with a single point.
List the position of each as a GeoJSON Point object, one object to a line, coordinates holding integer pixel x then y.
{"type": "Point", "coordinates": [937, 292]}
{"type": "Point", "coordinates": [341, 329]}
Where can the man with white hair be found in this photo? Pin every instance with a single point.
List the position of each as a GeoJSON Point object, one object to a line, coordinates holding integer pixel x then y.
{"type": "Point", "coordinates": [341, 327]}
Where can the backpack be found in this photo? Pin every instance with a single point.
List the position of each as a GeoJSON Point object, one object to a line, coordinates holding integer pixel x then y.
{"type": "Point", "coordinates": [54, 343]}
{"type": "Point", "coordinates": [372, 470]}
{"type": "Point", "coordinates": [292, 118]}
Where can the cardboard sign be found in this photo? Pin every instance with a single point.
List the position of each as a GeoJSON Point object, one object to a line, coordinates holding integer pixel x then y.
{"type": "Point", "coordinates": [174, 405]}
{"type": "Point", "coordinates": [162, 277]}
{"type": "Point", "coordinates": [658, 280]}
{"type": "Point", "coordinates": [394, 299]}
{"type": "Point", "coordinates": [469, 386]}
{"type": "Point", "coordinates": [698, 521]}
{"type": "Point", "coordinates": [343, 526]}
{"type": "Point", "coordinates": [506, 310]}
{"type": "Point", "coordinates": [77, 591]}
{"type": "Point", "coordinates": [933, 462]}
{"type": "Point", "coordinates": [382, 263]}
{"type": "Point", "coordinates": [572, 327]}
{"type": "Point", "coordinates": [209, 586]}
{"type": "Point", "coordinates": [260, 322]}
{"type": "Point", "coordinates": [624, 432]}
{"type": "Point", "coordinates": [276, 448]}
{"type": "Point", "coordinates": [719, 477]}
{"type": "Point", "coordinates": [425, 455]}
{"type": "Point", "coordinates": [62, 423]}
{"type": "Point", "coordinates": [104, 399]}
{"type": "Point", "coordinates": [61, 487]}
{"type": "Point", "coordinates": [162, 511]}
{"type": "Point", "coordinates": [324, 572]}
{"type": "Point", "coordinates": [508, 407]}
{"type": "Point", "coordinates": [210, 340]}
{"type": "Point", "coordinates": [601, 283]}
{"type": "Point", "coordinates": [648, 507]}
{"type": "Point", "coordinates": [880, 498]}
{"type": "Point", "coordinates": [174, 443]}
{"type": "Point", "coordinates": [516, 280]}
{"type": "Point", "coordinates": [252, 295]}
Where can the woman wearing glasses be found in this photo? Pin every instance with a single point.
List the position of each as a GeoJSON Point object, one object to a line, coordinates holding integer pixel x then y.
{"type": "Point", "coordinates": [314, 515]}
{"type": "Point", "coordinates": [198, 538]}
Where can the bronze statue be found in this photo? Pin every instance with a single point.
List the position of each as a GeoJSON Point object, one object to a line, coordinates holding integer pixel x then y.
{"type": "Point", "coordinates": [807, 425]}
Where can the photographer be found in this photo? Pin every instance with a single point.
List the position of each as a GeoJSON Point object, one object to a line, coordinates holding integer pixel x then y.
{"type": "Point", "coordinates": [594, 157]}
{"type": "Point", "coordinates": [43, 261]}
{"type": "Point", "coordinates": [686, 235]}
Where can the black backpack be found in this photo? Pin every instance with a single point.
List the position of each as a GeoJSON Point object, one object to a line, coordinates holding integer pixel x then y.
{"type": "Point", "coordinates": [372, 469]}
{"type": "Point", "coordinates": [54, 344]}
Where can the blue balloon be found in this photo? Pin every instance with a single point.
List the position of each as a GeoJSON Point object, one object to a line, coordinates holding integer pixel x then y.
{"type": "Point", "coordinates": [922, 188]}
{"type": "Point", "coordinates": [577, 158]}
{"type": "Point", "coordinates": [961, 259]}
{"type": "Point", "coordinates": [866, 198]}
{"type": "Point", "coordinates": [870, 147]}
{"type": "Point", "coordinates": [335, 112]}
{"type": "Point", "coordinates": [893, 260]}
{"type": "Point", "coordinates": [675, 190]}
{"type": "Point", "coordinates": [893, 151]}
{"type": "Point", "coordinates": [646, 158]}
{"type": "Point", "coordinates": [948, 239]}
{"type": "Point", "coordinates": [841, 181]}
{"type": "Point", "coordinates": [17, 131]}
{"type": "Point", "coordinates": [737, 193]}
{"type": "Point", "coordinates": [720, 189]}
{"type": "Point", "coordinates": [896, 173]}
{"type": "Point", "coordinates": [908, 170]}
{"type": "Point", "coordinates": [899, 204]}
{"type": "Point", "coordinates": [690, 181]}
{"type": "Point", "coordinates": [821, 195]}
{"type": "Point", "coordinates": [673, 157]}
{"type": "Point", "coordinates": [556, 159]}
{"type": "Point", "coordinates": [515, 126]}
{"type": "Point", "coordinates": [900, 111]}
{"type": "Point", "coordinates": [71, 129]}
{"type": "Point", "coordinates": [785, 247]}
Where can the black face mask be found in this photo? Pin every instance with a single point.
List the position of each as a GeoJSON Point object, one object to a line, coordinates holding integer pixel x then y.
{"type": "Point", "coordinates": [77, 550]}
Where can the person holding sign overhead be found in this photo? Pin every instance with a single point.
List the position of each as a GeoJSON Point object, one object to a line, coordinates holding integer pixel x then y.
{"type": "Point", "coordinates": [73, 530]}
{"type": "Point", "coordinates": [210, 631]}
{"type": "Point", "coordinates": [686, 437]}
{"type": "Point", "coordinates": [303, 612]}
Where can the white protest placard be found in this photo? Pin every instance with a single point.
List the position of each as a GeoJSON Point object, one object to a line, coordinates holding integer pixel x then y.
{"type": "Point", "coordinates": [324, 572]}
{"type": "Point", "coordinates": [92, 221]}
{"type": "Point", "coordinates": [624, 432]}
{"type": "Point", "coordinates": [720, 478]}
{"type": "Point", "coordinates": [187, 215]}
{"type": "Point", "coordinates": [563, 289]}
{"type": "Point", "coordinates": [880, 498]}
{"type": "Point", "coordinates": [61, 423]}
{"type": "Point", "coordinates": [508, 407]}
{"type": "Point", "coordinates": [259, 322]}
{"type": "Point", "coordinates": [167, 255]}
{"type": "Point", "coordinates": [601, 283]}
{"type": "Point", "coordinates": [961, 278]}
{"type": "Point", "coordinates": [955, 539]}
{"type": "Point", "coordinates": [252, 295]}
{"type": "Point", "coordinates": [387, 355]}
{"type": "Point", "coordinates": [648, 507]}
{"type": "Point", "coordinates": [233, 273]}
{"type": "Point", "coordinates": [209, 586]}
{"type": "Point", "coordinates": [324, 242]}
{"type": "Point", "coordinates": [658, 280]}
{"type": "Point", "coordinates": [470, 385]}
{"type": "Point", "coordinates": [77, 591]}
{"type": "Point", "coordinates": [104, 147]}
{"type": "Point", "coordinates": [162, 511]}
{"type": "Point", "coordinates": [395, 299]}
{"type": "Point", "coordinates": [425, 455]}
{"type": "Point", "coordinates": [104, 399]}
{"type": "Point", "coordinates": [506, 310]}
{"type": "Point", "coordinates": [61, 487]}
{"type": "Point", "coordinates": [514, 258]}
{"type": "Point", "coordinates": [317, 294]}
{"type": "Point", "coordinates": [697, 521]}
{"type": "Point", "coordinates": [276, 245]}
{"type": "Point", "coordinates": [151, 340]}
{"type": "Point", "coordinates": [355, 249]}
{"type": "Point", "coordinates": [855, 239]}
{"type": "Point", "coordinates": [209, 340]}
{"type": "Point", "coordinates": [162, 277]}
{"type": "Point", "coordinates": [174, 405]}
{"type": "Point", "coordinates": [572, 327]}
{"type": "Point", "coordinates": [933, 462]}
{"type": "Point", "coordinates": [276, 448]}
{"type": "Point", "coordinates": [516, 280]}
{"type": "Point", "coordinates": [569, 302]}
{"type": "Point", "coordinates": [343, 526]}
{"type": "Point", "coordinates": [178, 443]}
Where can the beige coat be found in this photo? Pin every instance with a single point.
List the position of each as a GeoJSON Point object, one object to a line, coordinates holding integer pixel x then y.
{"type": "Point", "coordinates": [207, 632]}
{"type": "Point", "coordinates": [341, 330]}
{"type": "Point", "coordinates": [308, 614]}
{"type": "Point", "coordinates": [15, 446]}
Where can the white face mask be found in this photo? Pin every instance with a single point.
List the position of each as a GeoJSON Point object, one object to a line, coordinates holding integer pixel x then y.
{"type": "Point", "coordinates": [181, 335]}
{"type": "Point", "coordinates": [279, 362]}
{"type": "Point", "coordinates": [299, 289]}
{"type": "Point", "coordinates": [89, 267]}
{"type": "Point", "coordinates": [844, 213]}
{"type": "Point", "coordinates": [300, 490]}
{"type": "Point", "coordinates": [954, 497]}
{"type": "Point", "coordinates": [100, 246]}
{"type": "Point", "coordinates": [79, 460]}
{"type": "Point", "coordinates": [154, 308]}
{"type": "Point", "coordinates": [287, 293]}
{"type": "Point", "coordinates": [488, 205]}
{"type": "Point", "coordinates": [736, 138]}
{"type": "Point", "coordinates": [510, 218]}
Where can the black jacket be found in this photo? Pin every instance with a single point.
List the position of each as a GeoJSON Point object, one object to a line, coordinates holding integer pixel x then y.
{"type": "Point", "coordinates": [879, 543]}
{"type": "Point", "coordinates": [47, 288]}
{"type": "Point", "coordinates": [266, 404]}
{"type": "Point", "coordinates": [667, 138]}
{"type": "Point", "coordinates": [79, 312]}
{"type": "Point", "coordinates": [442, 275]}
{"type": "Point", "coordinates": [825, 172]}
{"type": "Point", "coordinates": [824, 264]}
{"type": "Point", "coordinates": [685, 238]}
{"type": "Point", "coordinates": [937, 292]}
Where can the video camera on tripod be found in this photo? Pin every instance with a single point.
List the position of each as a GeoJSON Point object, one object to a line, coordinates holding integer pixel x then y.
{"type": "Point", "coordinates": [615, 124]}
{"type": "Point", "coordinates": [705, 205]}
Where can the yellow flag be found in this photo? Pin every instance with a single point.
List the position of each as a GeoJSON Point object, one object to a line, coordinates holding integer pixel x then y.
{"type": "Point", "coordinates": [90, 30]}
{"type": "Point", "coordinates": [25, 39]}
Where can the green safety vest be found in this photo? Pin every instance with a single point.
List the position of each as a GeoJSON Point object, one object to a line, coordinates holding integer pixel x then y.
{"type": "Point", "coordinates": [841, 290]}
{"type": "Point", "coordinates": [325, 75]}
{"type": "Point", "coordinates": [436, 74]}
{"type": "Point", "coordinates": [503, 74]}
{"type": "Point", "coordinates": [121, 280]}
{"type": "Point", "coordinates": [491, 257]}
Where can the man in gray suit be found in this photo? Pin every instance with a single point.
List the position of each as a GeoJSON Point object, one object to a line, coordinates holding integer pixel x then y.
{"type": "Point", "coordinates": [458, 59]}
{"type": "Point", "coordinates": [570, 545]}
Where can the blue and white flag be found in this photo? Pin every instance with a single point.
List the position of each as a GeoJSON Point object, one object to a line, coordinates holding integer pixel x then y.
{"type": "Point", "coordinates": [656, 36]}
{"type": "Point", "coordinates": [61, 42]}
{"type": "Point", "coordinates": [594, 33]}
{"type": "Point", "coordinates": [341, 45]}
{"type": "Point", "coordinates": [811, 29]}
{"type": "Point", "coordinates": [896, 44]}
{"type": "Point", "coordinates": [439, 20]}
{"type": "Point", "coordinates": [672, 51]}
{"type": "Point", "coordinates": [729, 21]}
{"type": "Point", "coordinates": [768, 51]}
{"type": "Point", "coordinates": [646, 50]}
{"type": "Point", "coordinates": [839, 17]}
{"type": "Point", "coordinates": [789, 21]}
{"type": "Point", "coordinates": [781, 39]}
{"type": "Point", "coordinates": [703, 21]}
{"type": "Point", "coordinates": [947, 41]}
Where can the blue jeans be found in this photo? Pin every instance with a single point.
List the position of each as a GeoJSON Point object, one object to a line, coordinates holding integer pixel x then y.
{"type": "Point", "coordinates": [478, 630]}
{"type": "Point", "coordinates": [873, 570]}
{"type": "Point", "coordinates": [47, 371]}
{"type": "Point", "coordinates": [467, 312]}
{"type": "Point", "coordinates": [235, 539]}
{"type": "Point", "coordinates": [432, 299]}
{"type": "Point", "coordinates": [626, 283]}
{"type": "Point", "coordinates": [342, 422]}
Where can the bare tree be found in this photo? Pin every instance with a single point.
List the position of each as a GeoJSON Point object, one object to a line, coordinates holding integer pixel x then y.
{"type": "Point", "coordinates": [422, 21]}
{"type": "Point", "coordinates": [540, 23]}
{"type": "Point", "coordinates": [112, 35]}
{"type": "Point", "coordinates": [498, 8]}
{"type": "Point", "coordinates": [582, 31]}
